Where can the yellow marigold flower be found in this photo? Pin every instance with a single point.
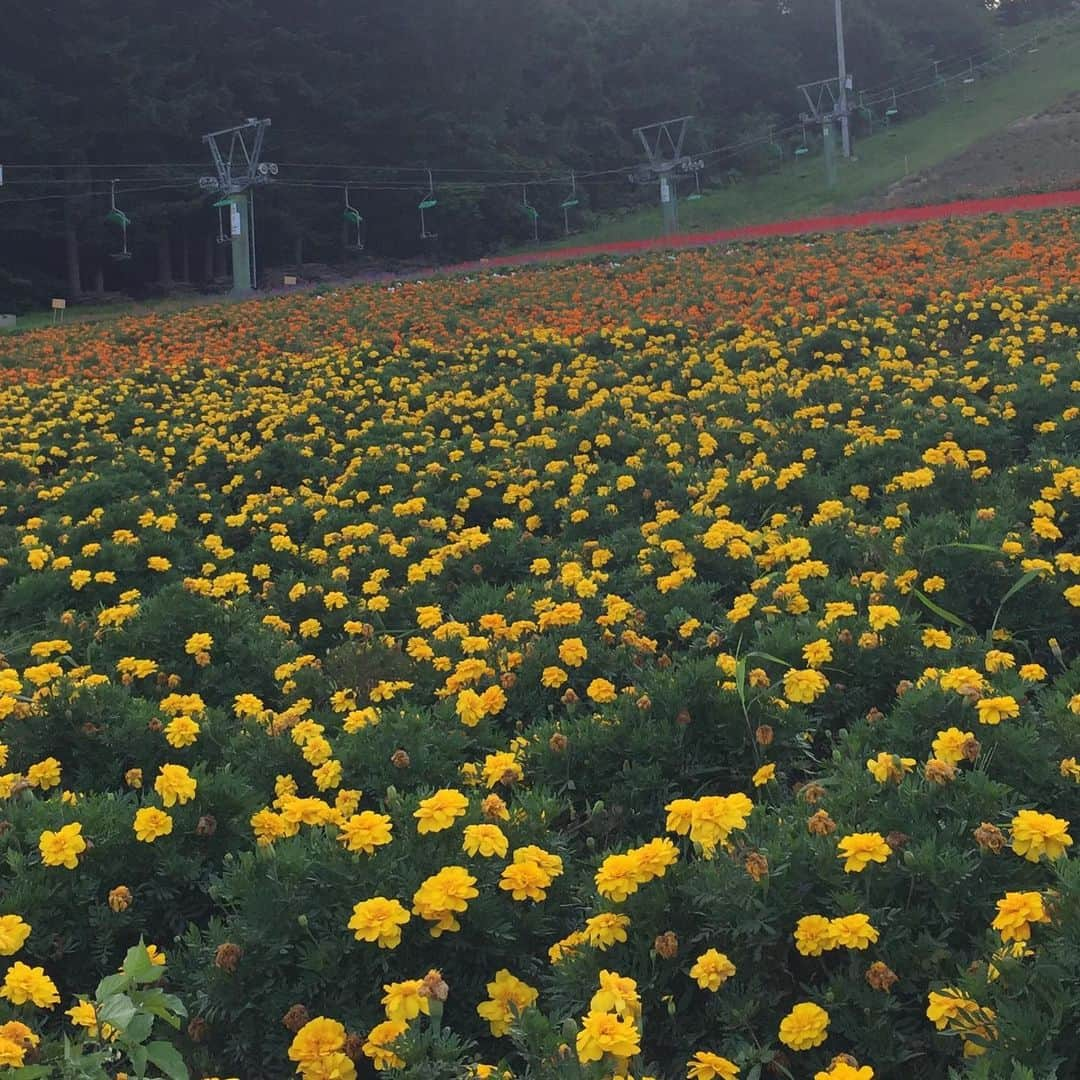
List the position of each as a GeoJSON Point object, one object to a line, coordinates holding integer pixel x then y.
{"type": "Point", "coordinates": [763, 775]}
{"type": "Point", "coordinates": [606, 929]}
{"type": "Point", "coordinates": [964, 680]}
{"type": "Point", "coordinates": [181, 732]}
{"type": "Point", "coordinates": [175, 785]}
{"type": "Point", "coordinates": [23, 983]}
{"type": "Point", "coordinates": [379, 920]}
{"type": "Point", "coordinates": [993, 710]}
{"type": "Point", "coordinates": [838, 609]}
{"type": "Point", "coordinates": [15, 1040]}
{"type": "Point", "coordinates": [84, 1015]}
{"type": "Point", "coordinates": [63, 847]}
{"type": "Point", "coordinates": [525, 880]}
{"type": "Point", "coordinates": [328, 775]}
{"type": "Point", "coordinates": [842, 1070]}
{"type": "Point", "coordinates": [618, 994]}
{"type": "Point", "coordinates": [680, 816]}
{"type": "Point", "coordinates": [854, 932]}
{"type": "Point", "coordinates": [601, 691]}
{"type": "Point", "coordinates": [1070, 767]}
{"type": "Point", "coordinates": [1032, 672]}
{"type": "Point", "coordinates": [805, 1027]}
{"type": "Point", "coordinates": [572, 652]}
{"type": "Point", "coordinates": [439, 811]}
{"type": "Point", "coordinates": [946, 1006]}
{"type": "Point", "coordinates": [44, 774]}
{"type": "Point", "coordinates": [13, 934]}
{"type": "Point", "coordinates": [485, 840]}
{"type": "Point", "coordinates": [1035, 834]}
{"type": "Point", "coordinates": [198, 643]}
{"type": "Point", "coordinates": [358, 719]}
{"type": "Point", "coordinates": [715, 817]}
{"type": "Point", "coordinates": [605, 1033]}
{"type": "Point", "coordinates": [151, 823]}
{"type": "Point", "coordinates": [952, 745]}
{"type": "Point", "coordinates": [469, 707]}
{"type": "Point", "coordinates": [817, 653]}
{"type": "Point", "coordinates": [705, 1065]}
{"type": "Point", "coordinates": [711, 970]}
{"type": "Point", "coordinates": [502, 768]}
{"type": "Point", "coordinates": [804, 686]}
{"type": "Point", "coordinates": [860, 849]}
{"type": "Point", "coordinates": [508, 998]}
{"type": "Point", "coordinates": [1017, 911]}
{"type": "Point", "coordinates": [553, 677]}
{"type": "Point", "coordinates": [886, 768]}
{"type": "Point", "coordinates": [814, 934]}
{"type": "Point", "coordinates": [618, 877]}
{"type": "Point", "coordinates": [403, 1000]}
{"type": "Point", "coordinates": [380, 1040]}
{"type": "Point", "coordinates": [317, 1039]}
{"type": "Point", "coordinates": [936, 639]}
{"type": "Point", "coordinates": [882, 615]}
{"type": "Point", "coordinates": [366, 831]}
{"type": "Point", "coordinates": [444, 895]}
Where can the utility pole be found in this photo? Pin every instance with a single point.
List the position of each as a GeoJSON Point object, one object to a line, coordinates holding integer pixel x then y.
{"type": "Point", "coordinates": [663, 144]}
{"type": "Point", "coordinates": [841, 63]}
{"type": "Point", "coordinates": [239, 169]}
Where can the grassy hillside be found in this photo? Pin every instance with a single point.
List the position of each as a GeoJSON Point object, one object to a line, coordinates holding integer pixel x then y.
{"type": "Point", "coordinates": [1036, 81]}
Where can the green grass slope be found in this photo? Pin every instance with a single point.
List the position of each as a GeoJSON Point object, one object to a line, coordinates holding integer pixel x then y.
{"type": "Point", "coordinates": [1035, 82]}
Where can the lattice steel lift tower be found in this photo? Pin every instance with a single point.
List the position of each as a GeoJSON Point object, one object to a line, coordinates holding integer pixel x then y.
{"type": "Point", "coordinates": [827, 101]}
{"type": "Point", "coordinates": [239, 168]}
{"type": "Point", "coordinates": [663, 143]}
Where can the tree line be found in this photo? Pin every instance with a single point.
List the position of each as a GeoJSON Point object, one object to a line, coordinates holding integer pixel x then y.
{"type": "Point", "coordinates": [496, 91]}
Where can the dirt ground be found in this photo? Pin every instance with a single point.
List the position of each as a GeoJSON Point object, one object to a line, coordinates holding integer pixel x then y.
{"type": "Point", "coordinates": [1034, 153]}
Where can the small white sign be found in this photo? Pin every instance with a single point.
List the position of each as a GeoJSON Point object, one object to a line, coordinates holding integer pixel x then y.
{"type": "Point", "coordinates": [290, 279]}
{"type": "Point", "coordinates": [665, 190]}
{"type": "Point", "coordinates": [234, 219]}
{"type": "Point", "coordinates": [59, 305]}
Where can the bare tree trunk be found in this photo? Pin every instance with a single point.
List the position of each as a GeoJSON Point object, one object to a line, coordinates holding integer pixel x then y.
{"type": "Point", "coordinates": [71, 252]}
{"type": "Point", "coordinates": [208, 259]}
{"type": "Point", "coordinates": [99, 281]}
{"type": "Point", "coordinates": [164, 259]}
{"type": "Point", "coordinates": [185, 258]}
{"type": "Point", "coordinates": [298, 251]}
{"type": "Point", "coordinates": [221, 266]}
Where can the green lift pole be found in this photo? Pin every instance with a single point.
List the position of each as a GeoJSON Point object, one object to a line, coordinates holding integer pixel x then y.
{"type": "Point", "coordinates": [240, 215]}
{"type": "Point", "coordinates": [830, 153]}
{"type": "Point", "coordinates": [240, 240]}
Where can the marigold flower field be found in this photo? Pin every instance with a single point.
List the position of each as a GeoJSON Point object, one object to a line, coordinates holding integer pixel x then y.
{"type": "Point", "coordinates": [664, 668]}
